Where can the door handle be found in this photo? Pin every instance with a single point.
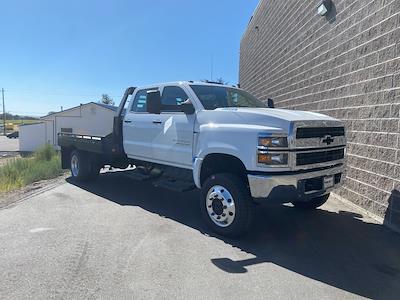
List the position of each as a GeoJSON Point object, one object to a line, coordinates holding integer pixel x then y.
{"type": "Point", "coordinates": [128, 121]}
{"type": "Point", "coordinates": [157, 122]}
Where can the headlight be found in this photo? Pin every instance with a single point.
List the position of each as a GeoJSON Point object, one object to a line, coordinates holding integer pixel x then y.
{"type": "Point", "coordinates": [271, 142]}
{"type": "Point", "coordinates": [273, 158]}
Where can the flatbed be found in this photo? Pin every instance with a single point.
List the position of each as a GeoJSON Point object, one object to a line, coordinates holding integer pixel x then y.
{"type": "Point", "coordinates": [96, 144]}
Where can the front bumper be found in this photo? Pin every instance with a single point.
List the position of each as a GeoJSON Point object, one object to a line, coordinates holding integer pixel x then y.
{"type": "Point", "coordinates": [296, 186]}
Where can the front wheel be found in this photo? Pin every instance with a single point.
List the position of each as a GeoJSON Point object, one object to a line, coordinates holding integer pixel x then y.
{"type": "Point", "coordinates": [312, 203]}
{"type": "Point", "coordinates": [226, 205]}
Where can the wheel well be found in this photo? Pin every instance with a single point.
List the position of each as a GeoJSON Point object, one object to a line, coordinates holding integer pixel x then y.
{"type": "Point", "coordinates": [222, 163]}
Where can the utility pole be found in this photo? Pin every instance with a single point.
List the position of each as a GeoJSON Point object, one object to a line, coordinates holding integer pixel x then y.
{"type": "Point", "coordinates": [4, 113]}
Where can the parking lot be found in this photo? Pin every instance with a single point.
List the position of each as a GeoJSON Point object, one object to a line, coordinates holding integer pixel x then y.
{"type": "Point", "coordinates": [118, 238]}
{"type": "Point", "coordinates": [8, 145]}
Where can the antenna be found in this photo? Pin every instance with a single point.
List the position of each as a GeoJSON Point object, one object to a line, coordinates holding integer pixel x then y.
{"type": "Point", "coordinates": [212, 65]}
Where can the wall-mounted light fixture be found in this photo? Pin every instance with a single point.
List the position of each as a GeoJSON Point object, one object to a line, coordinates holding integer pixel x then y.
{"type": "Point", "coordinates": [324, 7]}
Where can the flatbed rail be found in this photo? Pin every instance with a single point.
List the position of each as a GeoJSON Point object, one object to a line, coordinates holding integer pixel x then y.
{"type": "Point", "coordinates": [82, 136]}
{"type": "Point", "coordinates": [88, 143]}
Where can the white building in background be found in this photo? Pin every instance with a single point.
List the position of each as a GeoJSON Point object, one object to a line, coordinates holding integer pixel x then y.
{"type": "Point", "coordinates": [87, 119]}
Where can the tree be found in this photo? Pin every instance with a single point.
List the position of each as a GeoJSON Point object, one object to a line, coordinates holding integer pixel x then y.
{"type": "Point", "coordinates": [105, 99]}
{"type": "Point", "coordinates": [16, 117]}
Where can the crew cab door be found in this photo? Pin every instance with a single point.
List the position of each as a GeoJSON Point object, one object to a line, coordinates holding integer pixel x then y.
{"type": "Point", "coordinates": [139, 131]}
{"type": "Point", "coordinates": [173, 145]}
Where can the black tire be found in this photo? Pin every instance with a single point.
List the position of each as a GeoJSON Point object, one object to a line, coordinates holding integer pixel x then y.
{"type": "Point", "coordinates": [94, 171]}
{"type": "Point", "coordinates": [243, 204]}
{"type": "Point", "coordinates": [80, 166]}
{"type": "Point", "coordinates": [312, 203]}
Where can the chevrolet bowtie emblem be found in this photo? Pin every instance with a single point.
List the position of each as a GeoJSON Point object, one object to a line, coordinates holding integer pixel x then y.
{"type": "Point", "coordinates": [328, 140]}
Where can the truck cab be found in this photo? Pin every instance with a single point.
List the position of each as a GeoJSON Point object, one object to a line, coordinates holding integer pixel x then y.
{"type": "Point", "coordinates": [237, 150]}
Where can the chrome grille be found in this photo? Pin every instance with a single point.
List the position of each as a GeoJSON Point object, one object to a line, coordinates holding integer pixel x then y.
{"type": "Point", "coordinates": [318, 135]}
{"type": "Point", "coordinates": [317, 157]}
{"type": "Point", "coordinates": [317, 144]}
{"type": "Point", "coordinates": [318, 132]}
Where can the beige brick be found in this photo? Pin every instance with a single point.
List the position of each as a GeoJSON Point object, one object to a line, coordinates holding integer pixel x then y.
{"type": "Point", "coordinates": [349, 70]}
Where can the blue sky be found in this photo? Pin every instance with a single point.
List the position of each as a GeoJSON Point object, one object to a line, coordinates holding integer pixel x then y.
{"type": "Point", "coordinates": [62, 53]}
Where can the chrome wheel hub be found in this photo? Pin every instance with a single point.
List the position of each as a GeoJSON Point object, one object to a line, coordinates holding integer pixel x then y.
{"type": "Point", "coordinates": [220, 206]}
{"type": "Point", "coordinates": [74, 165]}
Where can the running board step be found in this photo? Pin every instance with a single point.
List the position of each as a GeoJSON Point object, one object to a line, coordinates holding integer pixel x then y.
{"type": "Point", "coordinates": [174, 185]}
{"type": "Point", "coordinates": [137, 175]}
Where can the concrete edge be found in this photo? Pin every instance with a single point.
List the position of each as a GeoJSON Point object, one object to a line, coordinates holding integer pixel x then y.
{"type": "Point", "coordinates": [12, 198]}
{"type": "Point", "coordinates": [363, 211]}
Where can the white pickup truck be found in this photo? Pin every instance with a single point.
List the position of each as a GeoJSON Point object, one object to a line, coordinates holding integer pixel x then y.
{"type": "Point", "coordinates": [239, 151]}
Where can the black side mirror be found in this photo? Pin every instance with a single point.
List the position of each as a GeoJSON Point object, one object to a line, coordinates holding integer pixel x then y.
{"type": "Point", "coordinates": [187, 108]}
{"type": "Point", "coordinates": [153, 102]}
{"type": "Point", "coordinates": [270, 103]}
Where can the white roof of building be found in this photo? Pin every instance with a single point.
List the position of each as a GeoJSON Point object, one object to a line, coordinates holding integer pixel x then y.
{"type": "Point", "coordinates": [110, 107]}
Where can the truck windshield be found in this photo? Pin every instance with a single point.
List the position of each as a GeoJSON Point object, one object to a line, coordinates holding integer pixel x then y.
{"type": "Point", "coordinates": [213, 97]}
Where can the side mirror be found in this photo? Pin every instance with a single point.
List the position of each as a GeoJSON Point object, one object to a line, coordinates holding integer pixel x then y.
{"type": "Point", "coordinates": [187, 108]}
{"type": "Point", "coordinates": [153, 102]}
{"type": "Point", "coordinates": [270, 103]}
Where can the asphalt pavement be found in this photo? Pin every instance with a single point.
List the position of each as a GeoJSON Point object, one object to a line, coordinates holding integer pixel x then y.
{"type": "Point", "coordinates": [121, 239]}
{"type": "Point", "coordinates": [8, 145]}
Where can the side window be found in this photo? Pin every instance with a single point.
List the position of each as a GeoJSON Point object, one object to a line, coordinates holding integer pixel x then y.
{"type": "Point", "coordinates": [66, 130]}
{"type": "Point", "coordinates": [172, 97]}
{"type": "Point", "coordinates": [139, 102]}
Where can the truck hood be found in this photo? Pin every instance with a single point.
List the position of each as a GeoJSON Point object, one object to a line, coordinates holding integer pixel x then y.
{"type": "Point", "coordinates": [265, 118]}
{"type": "Point", "coordinates": [285, 114]}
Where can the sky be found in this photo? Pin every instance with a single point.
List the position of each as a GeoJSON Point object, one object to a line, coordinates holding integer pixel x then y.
{"type": "Point", "coordinates": [63, 53]}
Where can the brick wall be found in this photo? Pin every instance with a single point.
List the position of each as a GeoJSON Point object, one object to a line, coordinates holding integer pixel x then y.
{"type": "Point", "coordinates": [346, 65]}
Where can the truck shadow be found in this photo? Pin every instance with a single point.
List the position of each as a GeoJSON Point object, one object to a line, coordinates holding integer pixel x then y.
{"type": "Point", "coordinates": [338, 249]}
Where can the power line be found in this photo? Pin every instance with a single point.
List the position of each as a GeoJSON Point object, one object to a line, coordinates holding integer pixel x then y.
{"type": "Point", "coordinates": [32, 93]}
{"type": "Point", "coordinates": [26, 112]}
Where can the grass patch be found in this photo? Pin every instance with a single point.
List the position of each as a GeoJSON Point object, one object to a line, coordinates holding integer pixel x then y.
{"type": "Point", "coordinates": [19, 122]}
{"type": "Point", "coordinates": [43, 164]}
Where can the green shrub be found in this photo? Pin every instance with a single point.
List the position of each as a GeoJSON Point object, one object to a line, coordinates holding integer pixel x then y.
{"type": "Point", "coordinates": [44, 164]}
{"type": "Point", "coordinates": [45, 152]}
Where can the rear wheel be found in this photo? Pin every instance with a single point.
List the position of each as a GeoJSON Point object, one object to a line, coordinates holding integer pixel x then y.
{"type": "Point", "coordinates": [312, 203]}
{"type": "Point", "coordinates": [94, 171]}
{"type": "Point", "coordinates": [226, 205]}
{"type": "Point", "coordinates": [81, 167]}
